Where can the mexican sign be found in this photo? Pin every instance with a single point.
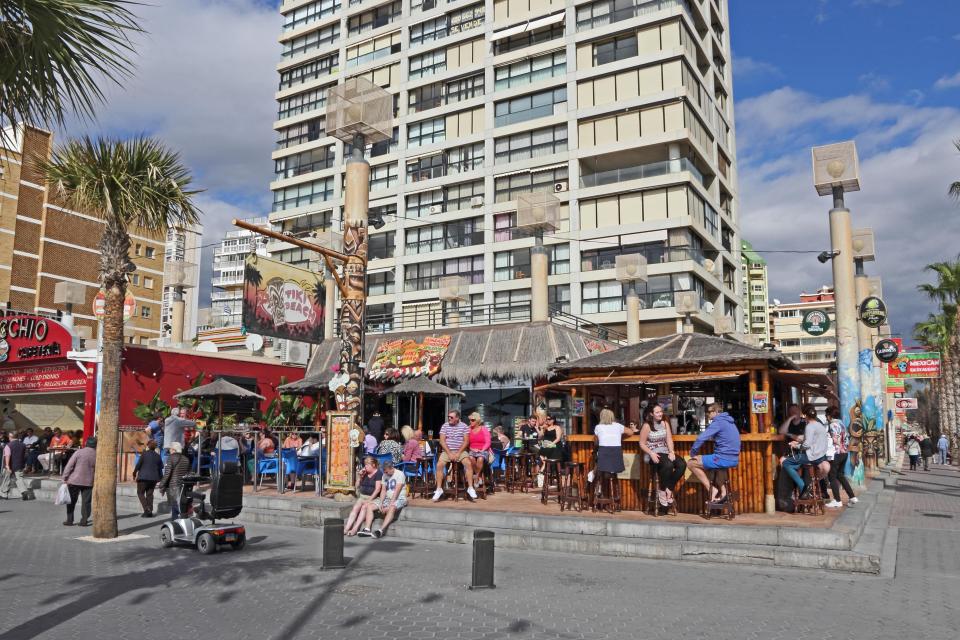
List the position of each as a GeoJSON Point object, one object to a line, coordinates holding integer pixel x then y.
{"type": "Point", "coordinates": [873, 312]}
{"type": "Point", "coordinates": [29, 338]}
{"type": "Point", "coordinates": [408, 358]}
{"type": "Point", "coordinates": [915, 365]}
{"type": "Point", "coordinates": [57, 378]}
{"type": "Point", "coordinates": [282, 301]}
{"type": "Point", "coordinates": [906, 403]}
{"type": "Point", "coordinates": [816, 322]}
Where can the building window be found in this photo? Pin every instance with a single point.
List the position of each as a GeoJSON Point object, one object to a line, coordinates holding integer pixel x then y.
{"type": "Point", "coordinates": [302, 132]}
{"type": "Point", "coordinates": [380, 283]}
{"type": "Point", "coordinates": [309, 13]}
{"type": "Point", "coordinates": [303, 194]}
{"type": "Point", "coordinates": [373, 19]}
{"type": "Point", "coordinates": [147, 282]}
{"type": "Point", "coordinates": [304, 162]}
{"type": "Point", "coordinates": [460, 196]}
{"type": "Point", "coordinates": [618, 48]}
{"type": "Point", "coordinates": [529, 107]}
{"type": "Point", "coordinates": [559, 259]}
{"type": "Point", "coordinates": [511, 305]}
{"type": "Point", "coordinates": [606, 12]}
{"type": "Point", "coordinates": [312, 100]}
{"type": "Point", "coordinates": [311, 41]}
{"type": "Point", "coordinates": [511, 265]}
{"type": "Point", "coordinates": [558, 297]}
{"type": "Point", "coordinates": [529, 70]}
{"type": "Point", "coordinates": [381, 245]}
{"type": "Point", "coordinates": [601, 297]}
{"type": "Point", "coordinates": [507, 188]}
{"type": "Point", "coordinates": [429, 30]}
{"type": "Point", "coordinates": [424, 203]}
{"type": "Point", "coordinates": [149, 253]}
{"type": "Point", "coordinates": [531, 144]}
{"type": "Point", "coordinates": [144, 311]}
{"type": "Point", "coordinates": [310, 71]}
{"type": "Point", "coordinates": [463, 88]}
{"type": "Point", "coordinates": [377, 149]}
{"type": "Point", "coordinates": [135, 279]}
{"type": "Point", "coordinates": [426, 275]}
{"type": "Point", "coordinates": [426, 132]}
{"type": "Point", "coordinates": [428, 63]}
{"type": "Point", "coordinates": [374, 49]}
{"type": "Point", "coordinates": [439, 237]}
{"type": "Point", "coordinates": [383, 176]}
{"type": "Point", "coordinates": [138, 250]}
{"type": "Point", "coordinates": [503, 225]}
{"type": "Point", "coordinates": [526, 39]}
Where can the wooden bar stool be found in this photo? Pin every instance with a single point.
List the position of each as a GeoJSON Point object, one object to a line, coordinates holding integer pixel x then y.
{"type": "Point", "coordinates": [652, 506]}
{"type": "Point", "coordinates": [514, 473]}
{"type": "Point", "coordinates": [572, 493]}
{"type": "Point", "coordinates": [552, 485]}
{"type": "Point", "coordinates": [607, 493]}
{"type": "Point", "coordinates": [813, 504]}
{"type": "Point", "coordinates": [452, 480]}
{"type": "Point", "coordinates": [721, 480]}
{"type": "Point", "coordinates": [529, 477]}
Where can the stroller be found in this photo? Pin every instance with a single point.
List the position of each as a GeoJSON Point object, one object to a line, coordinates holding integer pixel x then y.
{"type": "Point", "coordinates": [226, 501]}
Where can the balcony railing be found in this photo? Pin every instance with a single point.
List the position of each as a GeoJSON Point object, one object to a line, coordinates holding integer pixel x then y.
{"type": "Point", "coordinates": [454, 241]}
{"type": "Point", "coordinates": [651, 170]}
{"type": "Point", "coordinates": [639, 8]}
{"type": "Point", "coordinates": [661, 255]}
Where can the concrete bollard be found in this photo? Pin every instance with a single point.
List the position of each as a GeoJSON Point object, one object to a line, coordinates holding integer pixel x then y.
{"type": "Point", "coordinates": [482, 560]}
{"type": "Point", "coordinates": [333, 544]}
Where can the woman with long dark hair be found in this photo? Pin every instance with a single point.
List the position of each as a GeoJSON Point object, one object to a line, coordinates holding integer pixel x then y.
{"type": "Point", "coordinates": [656, 442]}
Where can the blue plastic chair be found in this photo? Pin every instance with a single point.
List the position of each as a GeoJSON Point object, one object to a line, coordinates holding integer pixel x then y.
{"type": "Point", "coordinates": [291, 464]}
{"type": "Point", "coordinates": [383, 457]}
{"type": "Point", "coordinates": [227, 455]}
{"type": "Point", "coordinates": [267, 466]}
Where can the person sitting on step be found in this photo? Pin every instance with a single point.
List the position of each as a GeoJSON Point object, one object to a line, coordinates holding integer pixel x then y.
{"type": "Point", "coordinates": [726, 450]}
{"type": "Point", "coordinates": [394, 499]}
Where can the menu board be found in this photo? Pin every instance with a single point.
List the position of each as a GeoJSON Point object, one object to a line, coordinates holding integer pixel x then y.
{"type": "Point", "coordinates": [340, 463]}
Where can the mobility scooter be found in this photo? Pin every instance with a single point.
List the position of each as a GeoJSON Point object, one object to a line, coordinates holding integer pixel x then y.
{"type": "Point", "coordinates": [226, 501]}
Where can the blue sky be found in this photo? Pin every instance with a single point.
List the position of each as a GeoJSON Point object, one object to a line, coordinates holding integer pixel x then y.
{"type": "Point", "coordinates": [806, 72]}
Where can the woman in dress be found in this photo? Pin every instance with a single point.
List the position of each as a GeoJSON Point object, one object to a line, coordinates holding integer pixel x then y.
{"type": "Point", "coordinates": [656, 442]}
{"type": "Point", "coordinates": [391, 444]}
{"type": "Point", "coordinates": [551, 441]}
{"type": "Point", "coordinates": [478, 447]}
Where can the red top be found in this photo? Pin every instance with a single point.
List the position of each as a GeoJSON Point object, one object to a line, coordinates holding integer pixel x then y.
{"type": "Point", "coordinates": [479, 439]}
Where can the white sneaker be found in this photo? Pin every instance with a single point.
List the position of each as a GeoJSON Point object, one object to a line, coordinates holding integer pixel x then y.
{"type": "Point", "coordinates": [853, 500]}
{"type": "Point", "coordinates": [437, 494]}
{"type": "Point", "coordinates": [833, 504]}
{"type": "Point", "coordinates": [472, 492]}
{"type": "Point", "coordinates": [590, 477]}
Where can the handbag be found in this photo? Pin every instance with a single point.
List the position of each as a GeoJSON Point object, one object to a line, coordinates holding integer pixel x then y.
{"type": "Point", "coordinates": [63, 495]}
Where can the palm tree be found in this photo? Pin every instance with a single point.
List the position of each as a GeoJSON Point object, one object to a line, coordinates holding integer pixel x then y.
{"type": "Point", "coordinates": [53, 53]}
{"type": "Point", "coordinates": [946, 292]}
{"type": "Point", "coordinates": [955, 186]}
{"type": "Point", "coordinates": [139, 184]}
{"type": "Point", "coordinates": [934, 333]}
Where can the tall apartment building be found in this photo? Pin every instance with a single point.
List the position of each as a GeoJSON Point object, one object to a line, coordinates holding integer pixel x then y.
{"type": "Point", "coordinates": [756, 291]}
{"type": "Point", "coordinates": [621, 108]}
{"type": "Point", "coordinates": [228, 261]}
{"type": "Point", "coordinates": [786, 330]}
{"type": "Point", "coordinates": [183, 245]}
{"type": "Point", "coordinates": [42, 242]}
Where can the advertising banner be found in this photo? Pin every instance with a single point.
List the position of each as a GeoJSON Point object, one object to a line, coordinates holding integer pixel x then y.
{"type": "Point", "coordinates": [408, 358]}
{"type": "Point", "coordinates": [29, 338]}
{"type": "Point", "coordinates": [340, 463]}
{"type": "Point", "coordinates": [760, 402]}
{"type": "Point", "coordinates": [915, 365]}
{"type": "Point", "coordinates": [57, 378]}
{"type": "Point", "coordinates": [282, 301]}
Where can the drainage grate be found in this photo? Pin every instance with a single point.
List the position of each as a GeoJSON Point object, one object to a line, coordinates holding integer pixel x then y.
{"type": "Point", "coordinates": [936, 515]}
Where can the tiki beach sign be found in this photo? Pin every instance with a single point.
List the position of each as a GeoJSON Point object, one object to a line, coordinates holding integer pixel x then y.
{"type": "Point", "coordinates": [282, 301]}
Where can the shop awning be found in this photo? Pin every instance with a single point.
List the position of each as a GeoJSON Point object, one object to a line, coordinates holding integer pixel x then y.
{"type": "Point", "coordinates": [817, 383]}
{"type": "Point", "coordinates": [528, 26]}
{"type": "Point", "coordinates": [650, 378]}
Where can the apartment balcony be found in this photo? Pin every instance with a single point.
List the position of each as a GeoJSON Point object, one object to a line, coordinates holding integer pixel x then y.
{"type": "Point", "coordinates": [619, 174]}
{"type": "Point", "coordinates": [633, 9]}
{"type": "Point", "coordinates": [227, 281]}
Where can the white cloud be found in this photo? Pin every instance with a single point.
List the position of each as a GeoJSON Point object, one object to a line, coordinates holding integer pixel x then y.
{"type": "Point", "coordinates": [204, 84]}
{"type": "Point", "coordinates": [907, 161]}
{"type": "Point", "coordinates": [749, 67]}
{"type": "Point", "coordinates": [948, 82]}
{"type": "Point", "coordinates": [874, 82]}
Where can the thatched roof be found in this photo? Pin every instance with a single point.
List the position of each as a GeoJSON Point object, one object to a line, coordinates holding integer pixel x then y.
{"type": "Point", "coordinates": [424, 385]}
{"type": "Point", "coordinates": [678, 350]}
{"type": "Point", "coordinates": [308, 385]}
{"type": "Point", "coordinates": [219, 388]}
{"type": "Point", "coordinates": [489, 352]}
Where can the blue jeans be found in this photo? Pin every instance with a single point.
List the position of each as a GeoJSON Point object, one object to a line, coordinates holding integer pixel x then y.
{"type": "Point", "coordinates": [943, 456]}
{"type": "Point", "coordinates": [791, 465]}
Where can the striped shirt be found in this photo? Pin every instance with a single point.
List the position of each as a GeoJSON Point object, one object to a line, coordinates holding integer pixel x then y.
{"type": "Point", "coordinates": [455, 434]}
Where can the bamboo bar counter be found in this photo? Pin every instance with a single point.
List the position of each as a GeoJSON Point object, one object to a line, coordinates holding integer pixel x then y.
{"type": "Point", "coordinates": [683, 373]}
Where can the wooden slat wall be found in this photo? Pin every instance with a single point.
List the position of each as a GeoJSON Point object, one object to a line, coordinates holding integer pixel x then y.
{"type": "Point", "coordinates": [749, 478]}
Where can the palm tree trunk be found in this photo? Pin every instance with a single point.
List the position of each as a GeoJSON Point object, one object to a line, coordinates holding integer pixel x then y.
{"type": "Point", "coordinates": [951, 390]}
{"type": "Point", "coordinates": [114, 256]}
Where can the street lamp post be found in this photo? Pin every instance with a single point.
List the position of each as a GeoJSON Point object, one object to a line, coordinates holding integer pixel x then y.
{"type": "Point", "coordinates": [538, 213]}
{"type": "Point", "coordinates": [632, 268]}
{"type": "Point", "coordinates": [835, 170]}
{"type": "Point", "coordinates": [870, 401]}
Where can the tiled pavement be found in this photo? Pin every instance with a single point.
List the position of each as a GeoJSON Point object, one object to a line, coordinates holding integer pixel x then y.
{"type": "Point", "coordinates": [53, 586]}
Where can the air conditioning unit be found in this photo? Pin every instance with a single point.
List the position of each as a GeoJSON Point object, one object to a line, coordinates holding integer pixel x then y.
{"type": "Point", "coordinates": [476, 201]}
{"type": "Point", "coordinates": [294, 352]}
{"type": "Point", "coordinates": [560, 187]}
{"type": "Point", "coordinates": [436, 208]}
{"type": "Point", "coordinates": [687, 302]}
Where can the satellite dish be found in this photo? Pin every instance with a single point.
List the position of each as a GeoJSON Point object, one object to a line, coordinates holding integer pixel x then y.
{"type": "Point", "coordinates": [254, 342]}
{"type": "Point", "coordinates": [208, 347]}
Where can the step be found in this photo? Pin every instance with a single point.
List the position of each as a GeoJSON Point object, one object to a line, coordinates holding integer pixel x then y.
{"type": "Point", "coordinates": [656, 549]}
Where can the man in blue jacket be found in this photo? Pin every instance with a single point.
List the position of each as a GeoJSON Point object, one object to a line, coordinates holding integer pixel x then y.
{"type": "Point", "coordinates": [726, 449]}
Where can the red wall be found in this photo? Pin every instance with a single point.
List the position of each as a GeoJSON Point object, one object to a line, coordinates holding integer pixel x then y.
{"type": "Point", "coordinates": [147, 370]}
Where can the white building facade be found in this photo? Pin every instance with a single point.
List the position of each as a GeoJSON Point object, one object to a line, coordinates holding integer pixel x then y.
{"type": "Point", "coordinates": [183, 245]}
{"type": "Point", "coordinates": [228, 262]}
{"type": "Point", "coordinates": [622, 109]}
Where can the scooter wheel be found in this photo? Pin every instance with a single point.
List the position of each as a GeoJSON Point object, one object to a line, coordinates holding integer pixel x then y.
{"type": "Point", "coordinates": [206, 544]}
{"type": "Point", "coordinates": [239, 544]}
{"type": "Point", "coordinates": [166, 540]}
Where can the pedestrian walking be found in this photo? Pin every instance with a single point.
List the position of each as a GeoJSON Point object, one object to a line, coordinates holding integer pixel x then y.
{"type": "Point", "coordinates": [147, 473]}
{"type": "Point", "coordinates": [178, 465]}
{"type": "Point", "coordinates": [174, 427]}
{"type": "Point", "coordinates": [942, 445]}
{"type": "Point", "coordinates": [926, 450]}
{"type": "Point", "coordinates": [838, 466]}
{"type": "Point", "coordinates": [14, 462]}
{"type": "Point", "coordinates": [78, 476]}
{"type": "Point", "coordinates": [913, 450]}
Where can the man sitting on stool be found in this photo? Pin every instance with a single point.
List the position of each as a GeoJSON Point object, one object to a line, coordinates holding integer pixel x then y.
{"type": "Point", "coordinates": [726, 450]}
{"type": "Point", "coordinates": [812, 449]}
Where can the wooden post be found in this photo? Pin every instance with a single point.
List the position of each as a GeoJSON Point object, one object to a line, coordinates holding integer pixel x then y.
{"type": "Point", "coordinates": [754, 422]}
{"type": "Point", "coordinates": [766, 420]}
{"type": "Point", "coordinates": [586, 411]}
{"type": "Point", "coordinates": [769, 502]}
{"type": "Point", "coordinates": [420, 412]}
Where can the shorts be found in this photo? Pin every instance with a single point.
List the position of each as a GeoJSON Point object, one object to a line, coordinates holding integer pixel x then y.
{"type": "Point", "coordinates": [713, 461]}
{"type": "Point", "coordinates": [485, 455]}
{"type": "Point", "coordinates": [443, 459]}
{"type": "Point", "coordinates": [384, 505]}
{"type": "Point", "coordinates": [362, 498]}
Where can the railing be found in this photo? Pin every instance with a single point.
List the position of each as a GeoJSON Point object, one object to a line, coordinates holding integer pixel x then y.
{"type": "Point", "coordinates": [651, 170]}
{"type": "Point", "coordinates": [454, 241]}
{"type": "Point", "coordinates": [577, 323]}
{"type": "Point", "coordinates": [607, 260]}
{"type": "Point", "coordinates": [639, 8]}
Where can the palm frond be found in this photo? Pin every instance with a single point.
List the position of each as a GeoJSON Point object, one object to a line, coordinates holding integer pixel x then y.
{"type": "Point", "coordinates": [955, 186]}
{"type": "Point", "coordinates": [53, 54]}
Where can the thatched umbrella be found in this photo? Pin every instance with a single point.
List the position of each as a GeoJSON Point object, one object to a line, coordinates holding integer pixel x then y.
{"type": "Point", "coordinates": [423, 386]}
{"type": "Point", "coordinates": [218, 390]}
{"type": "Point", "coordinates": [315, 385]}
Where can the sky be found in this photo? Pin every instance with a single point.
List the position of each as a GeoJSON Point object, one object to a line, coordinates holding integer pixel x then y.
{"type": "Point", "coordinates": [885, 73]}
